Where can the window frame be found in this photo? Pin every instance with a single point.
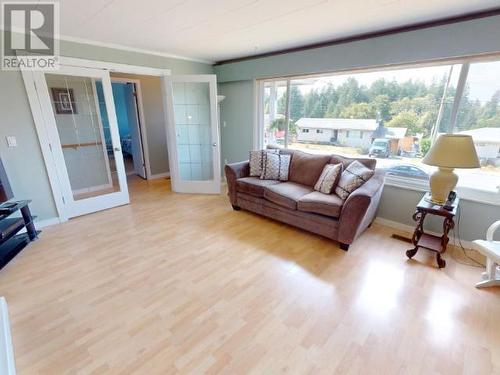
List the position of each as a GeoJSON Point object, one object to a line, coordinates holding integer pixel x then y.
{"type": "Point", "coordinates": [467, 193]}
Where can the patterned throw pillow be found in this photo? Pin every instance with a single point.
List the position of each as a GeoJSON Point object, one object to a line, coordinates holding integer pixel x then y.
{"type": "Point", "coordinates": [328, 178]}
{"type": "Point", "coordinates": [355, 175]}
{"type": "Point", "coordinates": [276, 166]}
{"type": "Point", "coordinates": [257, 161]}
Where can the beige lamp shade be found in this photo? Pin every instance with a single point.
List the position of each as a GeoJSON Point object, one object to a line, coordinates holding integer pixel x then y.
{"type": "Point", "coordinates": [453, 151]}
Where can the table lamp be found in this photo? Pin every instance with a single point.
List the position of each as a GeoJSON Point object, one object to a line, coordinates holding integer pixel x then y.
{"type": "Point", "coordinates": [449, 151]}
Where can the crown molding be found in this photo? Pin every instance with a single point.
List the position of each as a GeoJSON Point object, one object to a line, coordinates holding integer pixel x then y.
{"type": "Point", "coordinates": [131, 49]}
{"type": "Point", "coordinates": [123, 47]}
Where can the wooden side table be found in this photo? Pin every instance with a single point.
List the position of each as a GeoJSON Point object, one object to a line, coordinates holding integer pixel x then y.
{"type": "Point", "coordinates": [429, 241]}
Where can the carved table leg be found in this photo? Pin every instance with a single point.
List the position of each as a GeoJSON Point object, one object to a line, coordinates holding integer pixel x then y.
{"type": "Point", "coordinates": [440, 261]}
{"type": "Point", "coordinates": [419, 217]}
{"type": "Point", "coordinates": [410, 253]}
{"type": "Point", "coordinates": [448, 224]}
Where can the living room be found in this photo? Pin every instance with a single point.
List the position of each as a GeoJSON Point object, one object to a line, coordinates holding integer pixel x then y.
{"type": "Point", "coordinates": [319, 193]}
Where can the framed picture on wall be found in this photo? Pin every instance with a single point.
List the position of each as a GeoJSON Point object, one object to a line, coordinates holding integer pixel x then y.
{"type": "Point", "coordinates": [64, 101]}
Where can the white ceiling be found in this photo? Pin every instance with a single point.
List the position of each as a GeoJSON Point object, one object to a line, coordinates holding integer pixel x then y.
{"type": "Point", "coordinates": [216, 30]}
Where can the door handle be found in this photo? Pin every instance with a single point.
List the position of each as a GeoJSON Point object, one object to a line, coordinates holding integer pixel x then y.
{"type": "Point", "coordinates": [117, 149]}
{"type": "Point", "coordinates": [214, 144]}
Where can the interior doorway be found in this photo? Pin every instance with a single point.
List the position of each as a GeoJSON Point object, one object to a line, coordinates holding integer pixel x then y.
{"type": "Point", "coordinates": [130, 117]}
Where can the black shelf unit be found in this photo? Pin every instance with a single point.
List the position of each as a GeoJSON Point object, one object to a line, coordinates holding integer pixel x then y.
{"type": "Point", "coordinates": [11, 241]}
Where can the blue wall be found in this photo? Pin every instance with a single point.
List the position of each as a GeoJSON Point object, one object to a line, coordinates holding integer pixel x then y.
{"type": "Point", "coordinates": [120, 93]}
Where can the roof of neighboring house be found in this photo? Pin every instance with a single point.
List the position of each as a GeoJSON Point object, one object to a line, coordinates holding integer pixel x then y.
{"type": "Point", "coordinates": [337, 123]}
{"type": "Point", "coordinates": [484, 135]}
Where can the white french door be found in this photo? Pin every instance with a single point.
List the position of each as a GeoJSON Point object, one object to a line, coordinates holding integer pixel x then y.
{"type": "Point", "coordinates": [82, 132]}
{"type": "Point", "coordinates": [193, 133]}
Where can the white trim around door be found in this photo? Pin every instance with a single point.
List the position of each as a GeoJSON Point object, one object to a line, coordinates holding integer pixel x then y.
{"type": "Point", "coordinates": [83, 116]}
{"type": "Point", "coordinates": [113, 67]}
{"type": "Point", "coordinates": [43, 139]}
{"type": "Point", "coordinates": [142, 120]}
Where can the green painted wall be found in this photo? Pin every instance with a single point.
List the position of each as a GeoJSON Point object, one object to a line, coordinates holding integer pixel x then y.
{"type": "Point", "coordinates": [178, 66]}
{"type": "Point", "coordinates": [236, 116]}
{"type": "Point", "coordinates": [398, 204]}
{"type": "Point", "coordinates": [24, 163]}
{"type": "Point", "coordinates": [474, 37]}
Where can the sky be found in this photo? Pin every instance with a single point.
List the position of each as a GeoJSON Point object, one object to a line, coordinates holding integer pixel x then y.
{"type": "Point", "coordinates": [483, 79]}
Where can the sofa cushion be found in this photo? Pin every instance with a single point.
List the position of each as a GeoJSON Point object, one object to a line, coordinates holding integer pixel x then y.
{"type": "Point", "coordinates": [253, 185]}
{"type": "Point", "coordinates": [355, 175]}
{"type": "Point", "coordinates": [275, 167]}
{"type": "Point", "coordinates": [286, 194]}
{"type": "Point", "coordinates": [306, 168]}
{"type": "Point", "coordinates": [257, 161]}
{"type": "Point", "coordinates": [319, 203]}
{"type": "Point", "coordinates": [329, 178]}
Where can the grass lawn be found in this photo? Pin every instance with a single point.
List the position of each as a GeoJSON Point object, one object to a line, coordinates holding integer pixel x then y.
{"type": "Point", "coordinates": [330, 149]}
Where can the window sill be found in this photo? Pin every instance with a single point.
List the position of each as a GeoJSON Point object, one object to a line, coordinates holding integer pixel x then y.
{"type": "Point", "coordinates": [464, 193]}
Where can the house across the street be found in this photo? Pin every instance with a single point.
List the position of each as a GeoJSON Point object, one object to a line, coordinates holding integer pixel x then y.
{"type": "Point", "coordinates": [487, 142]}
{"type": "Point", "coordinates": [345, 132]}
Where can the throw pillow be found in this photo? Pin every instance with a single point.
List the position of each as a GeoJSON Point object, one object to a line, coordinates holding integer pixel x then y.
{"type": "Point", "coordinates": [276, 167]}
{"type": "Point", "coordinates": [355, 175]}
{"type": "Point", "coordinates": [257, 161]}
{"type": "Point", "coordinates": [328, 178]}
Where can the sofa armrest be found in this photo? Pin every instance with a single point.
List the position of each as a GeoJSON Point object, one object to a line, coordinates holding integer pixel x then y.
{"type": "Point", "coordinates": [233, 172]}
{"type": "Point", "coordinates": [360, 207]}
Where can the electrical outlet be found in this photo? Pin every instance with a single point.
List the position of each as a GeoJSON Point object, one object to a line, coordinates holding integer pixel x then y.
{"type": "Point", "coordinates": [11, 141]}
{"type": "Point", "coordinates": [225, 161]}
{"type": "Point", "coordinates": [223, 124]}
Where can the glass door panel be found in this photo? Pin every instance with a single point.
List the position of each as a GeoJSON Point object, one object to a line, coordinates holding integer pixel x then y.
{"type": "Point", "coordinates": [194, 139]}
{"type": "Point", "coordinates": [193, 133]}
{"type": "Point", "coordinates": [86, 144]}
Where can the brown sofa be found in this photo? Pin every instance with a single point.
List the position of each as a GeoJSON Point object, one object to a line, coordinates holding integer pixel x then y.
{"type": "Point", "coordinates": [295, 202]}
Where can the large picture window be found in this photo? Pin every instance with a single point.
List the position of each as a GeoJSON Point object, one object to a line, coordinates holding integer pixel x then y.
{"type": "Point", "coordinates": [393, 115]}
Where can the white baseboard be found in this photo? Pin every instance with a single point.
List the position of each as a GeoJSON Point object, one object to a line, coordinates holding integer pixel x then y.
{"type": "Point", "coordinates": [7, 364]}
{"type": "Point", "coordinates": [159, 175]}
{"type": "Point", "coordinates": [47, 222]}
{"type": "Point", "coordinates": [43, 224]}
{"type": "Point", "coordinates": [410, 229]}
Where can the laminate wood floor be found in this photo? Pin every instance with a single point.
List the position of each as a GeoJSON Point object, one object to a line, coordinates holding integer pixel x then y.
{"type": "Point", "coordinates": [183, 284]}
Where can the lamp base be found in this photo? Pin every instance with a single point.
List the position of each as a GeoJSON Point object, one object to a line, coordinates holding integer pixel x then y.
{"type": "Point", "coordinates": [442, 182]}
{"type": "Point", "coordinates": [433, 201]}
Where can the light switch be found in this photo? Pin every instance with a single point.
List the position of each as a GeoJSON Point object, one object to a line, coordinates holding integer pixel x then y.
{"type": "Point", "coordinates": [11, 141]}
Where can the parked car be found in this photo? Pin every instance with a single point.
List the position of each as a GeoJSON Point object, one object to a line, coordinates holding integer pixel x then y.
{"type": "Point", "coordinates": [407, 170]}
{"type": "Point", "coordinates": [380, 148]}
